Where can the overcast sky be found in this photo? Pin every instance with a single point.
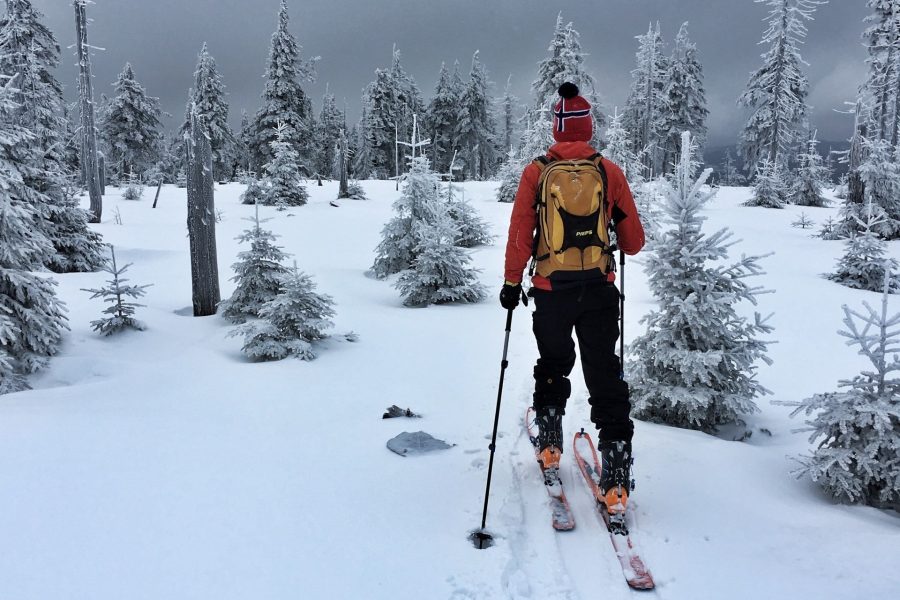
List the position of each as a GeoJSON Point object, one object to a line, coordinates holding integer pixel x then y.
{"type": "Point", "coordinates": [161, 39]}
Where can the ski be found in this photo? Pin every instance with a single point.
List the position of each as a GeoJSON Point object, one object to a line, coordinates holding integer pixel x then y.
{"type": "Point", "coordinates": [559, 506]}
{"type": "Point", "coordinates": [636, 573]}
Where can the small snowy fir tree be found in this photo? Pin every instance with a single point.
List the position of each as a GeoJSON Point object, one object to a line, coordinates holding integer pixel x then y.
{"type": "Point", "coordinates": [355, 191]}
{"type": "Point", "coordinates": [472, 230]}
{"type": "Point", "coordinates": [397, 249]}
{"type": "Point", "coordinates": [290, 323]}
{"type": "Point", "coordinates": [731, 176]}
{"type": "Point", "coordinates": [258, 273]}
{"type": "Point", "coordinates": [120, 311]}
{"type": "Point", "coordinates": [812, 177]}
{"type": "Point", "coordinates": [830, 230]}
{"type": "Point", "coordinates": [255, 192]}
{"type": "Point", "coordinates": [695, 365]}
{"type": "Point", "coordinates": [858, 428]}
{"type": "Point", "coordinates": [283, 178]}
{"type": "Point", "coordinates": [769, 191]}
{"type": "Point", "coordinates": [864, 262]}
{"type": "Point", "coordinates": [134, 189]}
{"type": "Point", "coordinates": [803, 221]}
{"type": "Point", "coordinates": [440, 271]}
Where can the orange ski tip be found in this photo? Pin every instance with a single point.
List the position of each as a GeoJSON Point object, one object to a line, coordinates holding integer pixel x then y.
{"type": "Point", "coordinates": [549, 457]}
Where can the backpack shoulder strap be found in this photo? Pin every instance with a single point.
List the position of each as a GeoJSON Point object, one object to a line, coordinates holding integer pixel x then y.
{"type": "Point", "coordinates": [542, 162]}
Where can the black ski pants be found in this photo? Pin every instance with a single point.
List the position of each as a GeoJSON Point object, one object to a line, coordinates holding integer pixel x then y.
{"type": "Point", "coordinates": [593, 312]}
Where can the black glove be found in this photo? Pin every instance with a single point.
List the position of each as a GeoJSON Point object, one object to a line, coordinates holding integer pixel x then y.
{"type": "Point", "coordinates": [510, 295]}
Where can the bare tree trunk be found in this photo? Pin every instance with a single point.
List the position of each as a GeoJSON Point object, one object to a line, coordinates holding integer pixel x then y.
{"type": "Point", "coordinates": [90, 167]}
{"type": "Point", "coordinates": [101, 168]}
{"type": "Point", "coordinates": [158, 188]}
{"type": "Point", "coordinates": [202, 222]}
{"type": "Point", "coordinates": [855, 186]}
{"type": "Point", "coordinates": [343, 191]}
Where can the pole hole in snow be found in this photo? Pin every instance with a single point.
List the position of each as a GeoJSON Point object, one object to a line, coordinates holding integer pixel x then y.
{"type": "Point", "coordinates": [481, 540]}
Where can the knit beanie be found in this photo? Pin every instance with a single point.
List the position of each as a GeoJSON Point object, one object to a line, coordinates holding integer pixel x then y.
{"type": "Point", "coordinates": [572, 120]}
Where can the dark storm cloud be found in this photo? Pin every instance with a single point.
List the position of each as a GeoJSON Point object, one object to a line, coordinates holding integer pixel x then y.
{"type": "Point", "coordinates": [161, 39]}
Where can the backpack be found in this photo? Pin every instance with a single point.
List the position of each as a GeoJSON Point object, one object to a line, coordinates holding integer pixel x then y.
{"type": "Point", "coordinates": [572, 239]}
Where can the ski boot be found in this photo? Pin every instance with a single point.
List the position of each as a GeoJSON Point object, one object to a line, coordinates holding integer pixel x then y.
{"type": "Point", "coordinates": [549, 438]}
{"type": "Point", "coordinates": [615, 480]}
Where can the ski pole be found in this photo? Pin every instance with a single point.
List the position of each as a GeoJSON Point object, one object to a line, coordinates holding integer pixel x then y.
{"type": "Point", "coordinates": [622, 316]}
{"type": "Point", "coordinates": [481, 538]}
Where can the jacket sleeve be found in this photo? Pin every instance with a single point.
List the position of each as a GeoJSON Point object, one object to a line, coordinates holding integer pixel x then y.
{"type": "Point", "coordinates": [521, 225]}
{"type": "Point", "coordinates": [629, 230]}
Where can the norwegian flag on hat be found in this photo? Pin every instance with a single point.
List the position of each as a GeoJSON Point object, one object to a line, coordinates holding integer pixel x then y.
{"type": "Point", "coordinates": [572, 120]}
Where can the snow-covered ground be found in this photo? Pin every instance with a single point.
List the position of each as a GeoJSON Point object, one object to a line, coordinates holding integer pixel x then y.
{"type": "Point", "coordinates": [163, 465]}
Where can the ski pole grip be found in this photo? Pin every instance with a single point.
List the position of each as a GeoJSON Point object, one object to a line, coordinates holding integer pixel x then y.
{"type": "Point", "coordinates": [509, 314]}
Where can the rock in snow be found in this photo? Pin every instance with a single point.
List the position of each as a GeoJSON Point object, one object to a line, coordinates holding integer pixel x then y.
{"type": "Point", "coordinates": [407, 444]}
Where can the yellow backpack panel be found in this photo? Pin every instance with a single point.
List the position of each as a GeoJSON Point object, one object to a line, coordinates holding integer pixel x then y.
{"type": "Point", "coordinates": [573, 225]}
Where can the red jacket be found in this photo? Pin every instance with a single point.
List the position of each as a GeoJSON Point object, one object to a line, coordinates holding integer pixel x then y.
{"type": "Point", "coordinates": [622, 212]}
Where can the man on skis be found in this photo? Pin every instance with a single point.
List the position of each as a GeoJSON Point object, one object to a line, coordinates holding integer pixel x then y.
{"type": "Point", "coordinates": [565, 204]}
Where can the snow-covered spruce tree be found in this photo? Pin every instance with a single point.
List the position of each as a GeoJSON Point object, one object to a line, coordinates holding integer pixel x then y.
{"type": "Point", "coordinates": [30, 54]}
{"type": "Point", "coordinates": [685, 98]}
{"type": "Point", "coordinates": [864, 262]}
{"type": "Point", "coordinates": [244, 142]}
{"type": "Point", "coordinates": [284, 100]}
{"type": "Point", "coordinates": [328, 128]}
{"type": "Point", "coordinates": [380, 127]}
{"type": "Point", "coordinates": [32, 319]}
{"type": "Point", "coordinates": [731, 176]}
{"type": "Point", "coordinates": [258, 273]}
{"type": "Point", "coordinates": [475, 130]}
{"type": "Point", "coordinates": [208, 96]}
{"type": "Point", "coordinates": [618, 150]}
{"type": "Point", "coordinates": [441, 120]}
{"type": "Point", "coordinates": [858, 428]}
{"type": "Point", "coordinates": [397, 249]}
{"type": "Point", "coordinates": [389, 103]}
{"type": "Point", "coordinates": [10, 380]}
{"type": "Point", "coordinates": [536, 138]}
{"type": "Point", "coordinates": [362, 162]}
{"type": "Point", "coordinates": [508, 106]}
{"type": "Point", "coordinates": [290, 323]}
{"type": "Point", "coordinates": [882, 40]}
{"type": "Point", "coordinates": [694, 366]}
{"type": "Point", "coordinates": [116, 292]}
{"type": "Point", "coordinates": [78, 247]}
{"type": "Point", "coordinates": [565, 62]}
{"type": "Point", "coordinates": [811, 178]}
{"type": "Point", "coordinates": [131, 127]}
{"type": "Point", "coordinates": [283, 178]}
{"type": "Point", "coordinates": [777, 91]}
{"type": "Point", "coordinates": [646, 103]}
{"type": "Point", "coordinates": [439, 271]}
{"type": "Point", "coordinates": [769, 190]}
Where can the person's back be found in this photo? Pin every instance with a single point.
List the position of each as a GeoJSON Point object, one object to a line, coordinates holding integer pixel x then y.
{"type": "Point", "coordinates": [568, 295]}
